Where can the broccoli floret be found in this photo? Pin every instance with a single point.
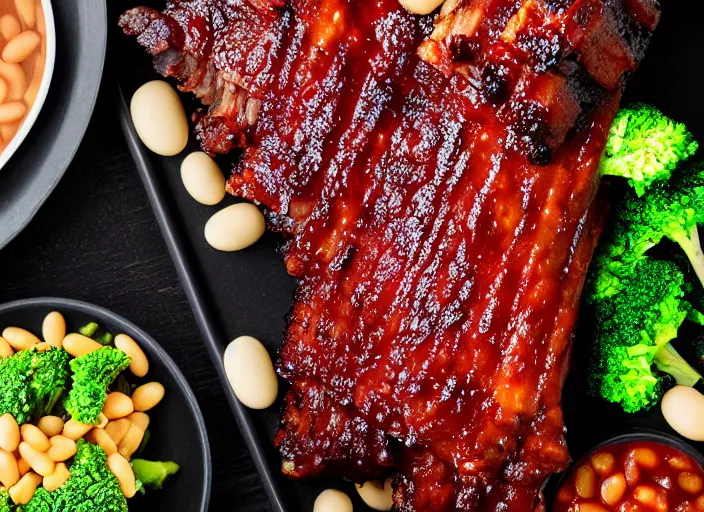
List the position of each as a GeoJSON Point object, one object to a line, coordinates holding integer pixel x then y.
{"type": "Point", "coordinates": [645, 146]}
{"type": "Point", "coordinates": [5, 505]}
{"type": "Point", "coordinates": [153, 474]}
{"type": "Point", "coordinates": [91, 487]}
{"type": "Point", "coordinates": [91, 375]}
{"type": "Point", "coordinates": [634, 329]}
{"type": "Point", "coordinates": [670, 210]}
{"type": "Point", "coordinates": [31, 382]}
{"type": "Point", "coordinates": [42, 501]}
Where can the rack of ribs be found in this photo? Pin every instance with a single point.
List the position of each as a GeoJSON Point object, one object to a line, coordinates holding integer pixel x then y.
{"type": "Point", "coordinates": [436, 181]}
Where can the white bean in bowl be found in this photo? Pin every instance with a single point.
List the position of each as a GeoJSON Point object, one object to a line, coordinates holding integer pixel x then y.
{"type": "Point", "coordinates": [203, 179]}
{"type": "Point", "coordinates": [251, 373]}
{"type": "Point", "coordinates": [235, 227]}
{"type": "Point", "coordinates": [683, 408]}
{"type": "Point", "coordinates": [159, 118]}
{"type": "Point", "coordinates": [331, 500]}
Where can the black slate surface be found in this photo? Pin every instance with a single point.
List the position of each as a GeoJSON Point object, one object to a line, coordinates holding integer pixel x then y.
{"type": "Point", "coordinates": [96, 240]}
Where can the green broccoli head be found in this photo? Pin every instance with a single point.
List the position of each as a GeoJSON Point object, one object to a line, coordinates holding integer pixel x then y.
{"type": "Point", "coordinates": [634, 329]}
{"type": "Point", "coordinates": [31, 382]}
{"type": "Point", "coordinates": [91, 487]}
{"type": "Point", "coordinates": [152, 473]}
{"type": "Point", "coordinates": [42, 501]}
{"type": "Point", "coordinates": [92, 374]}
{"type": "Point", "coordinates": [5, 502]}
{"type": "Point", "coordinates": [645, 146]}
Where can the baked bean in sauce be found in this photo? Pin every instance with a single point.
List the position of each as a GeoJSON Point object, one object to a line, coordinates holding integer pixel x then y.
{"type": "Point", "coordinates": [22, 61]}
{"type": "Point", "coordinates": [633, 477]}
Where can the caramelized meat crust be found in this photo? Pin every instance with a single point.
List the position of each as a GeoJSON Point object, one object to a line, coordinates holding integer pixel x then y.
{"type": "Point", "coordinates": [435, 178]}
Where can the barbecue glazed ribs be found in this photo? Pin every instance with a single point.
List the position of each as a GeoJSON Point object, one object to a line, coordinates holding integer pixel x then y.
{"type": "Point", "coordinates": [435, 178]}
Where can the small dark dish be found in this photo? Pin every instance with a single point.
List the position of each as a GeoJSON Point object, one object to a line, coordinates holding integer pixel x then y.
{"type": "Point", "coordinates": [33, 172]}
{"type": "Point", "coordinates": [177, 427]}
{"type": "Point", "coordinates": [554, 483]}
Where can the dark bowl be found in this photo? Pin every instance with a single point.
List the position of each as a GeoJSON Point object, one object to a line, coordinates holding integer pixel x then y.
{"type": "Point", "coordinates": [177, 427]}
{"type": "Point", "coordinates": [553, 484]}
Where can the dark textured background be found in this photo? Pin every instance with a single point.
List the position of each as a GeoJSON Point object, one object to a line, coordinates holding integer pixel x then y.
{"type": "Point", "coordinates": [96, 240]}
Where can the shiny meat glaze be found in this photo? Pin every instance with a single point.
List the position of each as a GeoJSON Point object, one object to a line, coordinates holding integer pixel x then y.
{"type": "Point", "coordinates": [440, 265]}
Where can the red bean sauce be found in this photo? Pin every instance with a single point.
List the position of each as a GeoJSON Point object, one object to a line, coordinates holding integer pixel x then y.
{"type": "Point", "coordinates": [633, 477]}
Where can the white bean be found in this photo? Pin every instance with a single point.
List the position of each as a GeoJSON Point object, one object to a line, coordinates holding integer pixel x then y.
{"type": "Point", "coordinates": [34, 437]}
{"type": "Point", "coordinates": [332, 500]}
{"type": "Point", "coordinates": [147, 396]}
{"type": "Point", "coordinates": [9, 433]}
{"type": "Point", "coordinates": [4, 90]}
{"type": "Point", "coordinates": [159, 118]}
{"type": "Point", "coordinates": [683, 408]}
{"type": "Point", "coordinates": [14, 75]}
{"type": "Point", "coordinates": [9, 472]}
{"type": "Point", "coordinates": [51, 425]}
{"type": "Point", "coordinates": [377, 495]}
{"type": "Point", "coordinates": [5, 348]}
{"type": "Point", "coordinates": [23, 490]}
{"type": "Point", "coordinates": [117, 405]}
{"type": "Point", "coordinates": [421, 6]}
{"type": "Point", "coordinates": [251, 373]}
{"type": "Point", "coordinates": [78, 345]}
{"type": "Point", "coordinates": [21, 46]}
{"type": "Point", "coordinates": [139, 364]}
{"type": "Point", "coordinates": [20, 339]}
{"type": "Point", "coordinates": [122, 470]}
{"type": "Point", "coordinates": [203, 179]}
{"type": "Point", "coordinates": [25, 8]}
{"type": "Point", "coordinates": [9, 27]}
{"type": "Point", "coordinates": [39, 462]}
{"type": "Point", "coordinates": [57, 478]}
{"type": "Point", "coordinates": [54, 329]}
{"type": "Point", "coordinates": [235, 227]}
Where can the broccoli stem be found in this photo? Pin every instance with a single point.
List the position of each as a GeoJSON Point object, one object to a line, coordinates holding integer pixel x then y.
{"type": "Point", "coordinates": [668, 360]}
{"type": "Point", "coordinates": [692, 247]}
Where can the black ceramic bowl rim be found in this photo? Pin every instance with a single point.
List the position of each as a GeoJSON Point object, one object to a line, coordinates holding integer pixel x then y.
{"type": "Point", "coordinates": [554, 483]}
{"type": "Point", "coordinates": [156, 350]}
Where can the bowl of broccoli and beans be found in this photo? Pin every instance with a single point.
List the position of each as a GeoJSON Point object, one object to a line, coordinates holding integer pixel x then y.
{"type": "Point", "coordinates": [76, 419]}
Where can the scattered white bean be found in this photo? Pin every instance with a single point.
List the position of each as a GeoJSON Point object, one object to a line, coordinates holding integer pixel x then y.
{"type": "Point", "coordinates": [62, 448]}
{"type": "Point", "coordinates": [38, 461]}
{"type": "Point", "coordinates": [332, 500]}
{"type": "Point", "coordinates": [54, 329]}
{"type": "Point", "coordinates": [683, 408]}
{"type": "Point", "coordinates": [251, 373]}
{"type": "Point", "coordinates": [377, 495]}
{"type": "Point", "coordinates": [9, 433]}
{"type": "Point", "coordinates": [117, 429]}
{"type": "Point", "coordinates": [75, 430]}
{"type": "Point", "coordinates": [159, 118]}
{"type": "Point", "coordinates": [203, 179]}
{"type": "Point", "coordinates": [235, 227]}
{"type": "Point", "coordinates": [14, 75]}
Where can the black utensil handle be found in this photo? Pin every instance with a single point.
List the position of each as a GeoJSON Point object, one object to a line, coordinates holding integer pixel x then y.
{"type": "Point", "coordinates": [195, 298]}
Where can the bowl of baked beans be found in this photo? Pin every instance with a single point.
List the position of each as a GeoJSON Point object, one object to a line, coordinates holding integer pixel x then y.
{"type": "Point", "coordinates": [643, 471]}
{"type": "Point", "coordinates": [27, 54]}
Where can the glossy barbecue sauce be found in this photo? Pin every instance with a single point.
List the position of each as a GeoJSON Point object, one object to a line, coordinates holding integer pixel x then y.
{"type": "Point", "coordinates": [633, 477]}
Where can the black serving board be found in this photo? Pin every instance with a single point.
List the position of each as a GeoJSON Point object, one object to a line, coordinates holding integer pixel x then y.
{"type": "Point", "coordinates": [249, 292]}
